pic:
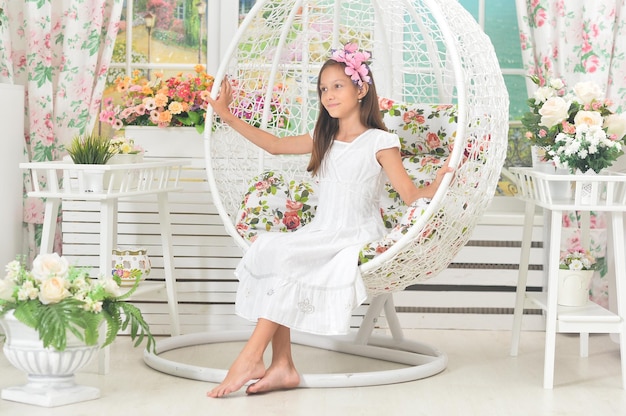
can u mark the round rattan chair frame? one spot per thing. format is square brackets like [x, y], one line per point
[424, 51]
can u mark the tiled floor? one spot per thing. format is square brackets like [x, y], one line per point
[481, 379]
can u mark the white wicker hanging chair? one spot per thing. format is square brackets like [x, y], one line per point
[423, 52]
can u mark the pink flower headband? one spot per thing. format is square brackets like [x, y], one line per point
[355, 60]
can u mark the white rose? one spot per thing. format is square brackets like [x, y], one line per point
[13, 269]
[110, 286]
[576, 265]
[615, 124]
[543, 93]
[53, 290]
[28, 291]
[591, 118]
[553, 111]
[7, 286]
[557, 84]
[588, 91]
[49, 265]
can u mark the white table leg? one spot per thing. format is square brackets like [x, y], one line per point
[49, 225]
[585, 241]
[522, 278]
[108, 235]
[551, 312]
[617, 223]
[168, 264]
[584, 344]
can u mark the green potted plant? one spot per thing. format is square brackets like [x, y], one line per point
[90, 150]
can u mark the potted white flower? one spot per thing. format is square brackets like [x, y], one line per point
[576, 130]
[54, 318]
[576, 268]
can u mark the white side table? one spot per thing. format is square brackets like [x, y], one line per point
[67, 181]
[598, 193]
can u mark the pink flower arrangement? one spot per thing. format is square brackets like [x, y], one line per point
[176, 101]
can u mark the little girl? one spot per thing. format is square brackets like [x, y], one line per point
[309, 280]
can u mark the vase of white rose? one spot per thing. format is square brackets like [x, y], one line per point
[574, 129]
[54, 318]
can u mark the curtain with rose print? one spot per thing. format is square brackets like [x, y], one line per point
[60, 52]
[578, 40]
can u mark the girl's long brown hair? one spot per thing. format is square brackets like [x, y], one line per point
[326, 126]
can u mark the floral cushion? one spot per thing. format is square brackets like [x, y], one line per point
[272, 204]
[409, 216]
[426, 133]
[424, 129]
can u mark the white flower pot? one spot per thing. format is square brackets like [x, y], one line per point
[574, 287]
[50, 372]
[90, 181]
[539, 164]
[119, 175]
[588, 193]
[558, 189]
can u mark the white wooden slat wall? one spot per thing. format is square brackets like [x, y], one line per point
[475, 292]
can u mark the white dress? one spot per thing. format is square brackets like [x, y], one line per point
[309, 280]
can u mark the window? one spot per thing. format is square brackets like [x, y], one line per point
[498, 18]
[180, 11]
[168, 36]
[245, 6]
[176, 42]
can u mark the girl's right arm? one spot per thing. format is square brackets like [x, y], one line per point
[273, 144]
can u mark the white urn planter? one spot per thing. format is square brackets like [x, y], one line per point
[50, 372]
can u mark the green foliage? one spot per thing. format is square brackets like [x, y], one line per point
[87, 305]
[90, 150]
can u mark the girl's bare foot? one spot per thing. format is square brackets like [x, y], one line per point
[239, 374]
[277, 377]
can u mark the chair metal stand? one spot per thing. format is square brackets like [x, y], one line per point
[421, 360]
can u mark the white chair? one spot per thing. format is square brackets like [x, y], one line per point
[425, 53]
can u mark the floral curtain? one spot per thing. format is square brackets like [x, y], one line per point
[60, 51]
[578, 40]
